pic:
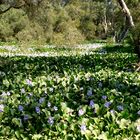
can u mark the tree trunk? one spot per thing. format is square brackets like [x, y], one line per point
[128, 21]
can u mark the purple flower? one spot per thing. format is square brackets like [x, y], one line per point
[20, 108]
[100, 84]
[51, 120]
[81, 112]
[29, 82]
[89, 92]
[138, 112]
[120, 107]
[107, 104]
[49, 104]
[22, 90]
[26, 117]
[37, 109]
[1, 107]
[104, 97]
[55, 108]
[91, 103]
[41, 100]
[83, 127]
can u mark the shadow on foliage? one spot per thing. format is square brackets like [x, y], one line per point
[119, 49]
[87, 63]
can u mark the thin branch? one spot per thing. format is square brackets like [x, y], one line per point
[4, 11]
[126, 12]
[16, 7]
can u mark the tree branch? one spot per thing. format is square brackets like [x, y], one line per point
[127, 13]
[16, 7]
[4, 11]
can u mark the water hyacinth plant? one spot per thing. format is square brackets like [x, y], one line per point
[91, 103]
[37, 109]
[138, 112]
[81, 112]
[107, 104]
[50, 120]
[54, 98]
[20, 108]
[83, 127]
[120, 107]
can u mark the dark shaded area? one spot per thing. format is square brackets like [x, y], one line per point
[117, 58]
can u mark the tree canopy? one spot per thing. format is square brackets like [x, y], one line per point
[67, 21]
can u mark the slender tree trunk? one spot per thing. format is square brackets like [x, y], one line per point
[128, 21]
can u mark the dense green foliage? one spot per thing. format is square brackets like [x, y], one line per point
[65, 21]
[68, 92]
[94, 96]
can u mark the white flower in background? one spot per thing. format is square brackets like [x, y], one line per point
[81, 112]
[81, 88]
[22, 90]
[51, 89]
[8, 93]
[3, 94]
[138, 128]
[49, 104]
[137, 125]
[55, 108]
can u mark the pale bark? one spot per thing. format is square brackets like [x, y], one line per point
[126, 12]
[129, 23]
